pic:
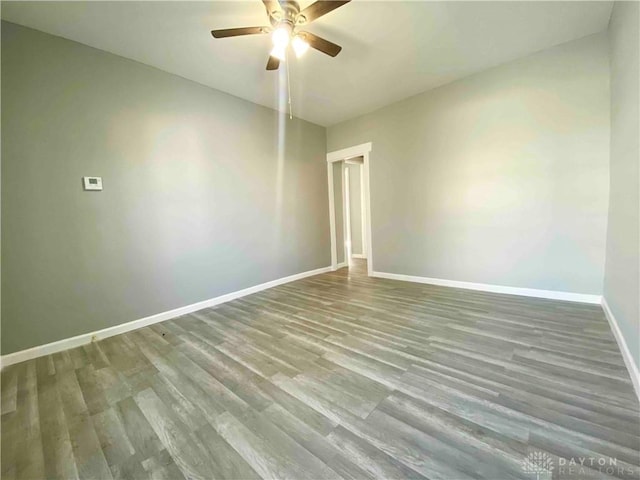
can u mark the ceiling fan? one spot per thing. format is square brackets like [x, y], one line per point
[286, 17]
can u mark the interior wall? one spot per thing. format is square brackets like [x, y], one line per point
[622, 274]
[355, 208]
[199, 200]
[499, 178]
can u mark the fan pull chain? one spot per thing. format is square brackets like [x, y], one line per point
[288, 85]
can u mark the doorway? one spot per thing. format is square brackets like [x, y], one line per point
[349, 209]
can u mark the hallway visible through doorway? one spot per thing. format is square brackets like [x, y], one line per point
[355, 236]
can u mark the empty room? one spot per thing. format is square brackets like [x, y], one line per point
[271, 239]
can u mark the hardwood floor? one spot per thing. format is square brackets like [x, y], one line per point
[334, 376]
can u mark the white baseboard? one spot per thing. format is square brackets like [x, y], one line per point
[339, 266]
[85, 338]
[525, 292]
[634, 372]
[358, 255]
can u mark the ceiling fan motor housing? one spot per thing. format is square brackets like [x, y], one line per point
[287, 15]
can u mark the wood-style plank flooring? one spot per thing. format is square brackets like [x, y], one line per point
[334, 376]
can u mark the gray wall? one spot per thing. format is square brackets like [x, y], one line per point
[355, 208]
[621, 281]
[499, 178]
[198, 200]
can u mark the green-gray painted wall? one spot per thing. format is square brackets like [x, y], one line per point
[199, 198]
[622, 274]
[499, 178]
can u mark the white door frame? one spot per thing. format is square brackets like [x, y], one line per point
[363, 151]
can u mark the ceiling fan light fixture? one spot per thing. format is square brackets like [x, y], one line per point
[279, 52]
[300, 45]
[281, 36]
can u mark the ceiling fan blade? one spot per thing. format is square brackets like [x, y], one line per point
[318, 9]
[273, 63]
[271, 6]
[236, 32]
[319, 43]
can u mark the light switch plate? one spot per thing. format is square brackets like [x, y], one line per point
[92, 183]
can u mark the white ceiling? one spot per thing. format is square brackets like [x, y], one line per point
[391, 50]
